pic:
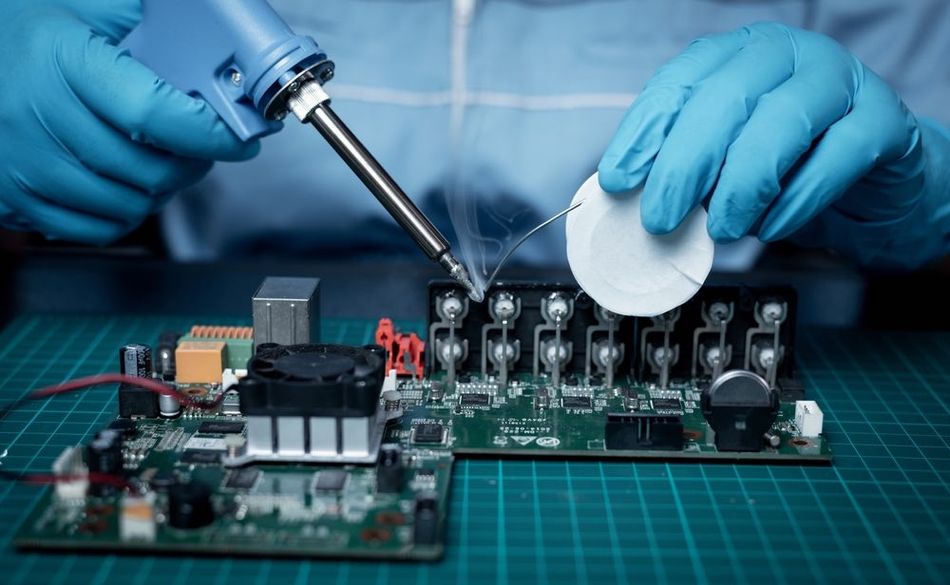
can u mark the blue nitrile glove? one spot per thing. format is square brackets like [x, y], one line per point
[91, 141]
[776, 124]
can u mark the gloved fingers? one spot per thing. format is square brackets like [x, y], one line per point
[896, 182]
[626, 162]
[132, 98]
[117, 156]
[62, 181]
[871, 133]
[692, 155]
[36, 212]
[111, 18]
[782, 128]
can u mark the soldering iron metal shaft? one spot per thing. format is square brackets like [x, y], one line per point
[388, 192]
[377, 180]
[311, 104]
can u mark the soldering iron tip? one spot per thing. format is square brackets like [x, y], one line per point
[460, 275]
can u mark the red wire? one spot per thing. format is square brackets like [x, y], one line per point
[97, 478]
[144, 383]
[99, 380]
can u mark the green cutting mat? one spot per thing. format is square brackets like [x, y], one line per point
[881, 513]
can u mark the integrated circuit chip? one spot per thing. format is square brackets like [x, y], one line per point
[667, 404]
[330, 480]
[475, 400]
[201, 456]
[427, 433]
[425, 475]
[221, 427]
[243, 479]
[576, 402]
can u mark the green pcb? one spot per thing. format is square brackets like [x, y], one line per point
[530, 418]
[333, 511]
[878, 515]
[285, 510]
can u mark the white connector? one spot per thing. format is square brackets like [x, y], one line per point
[391, 382]
[808, 418]
[137, 518]
[72, 475]
[231, 377]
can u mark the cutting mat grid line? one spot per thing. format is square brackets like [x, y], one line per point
[880, 514]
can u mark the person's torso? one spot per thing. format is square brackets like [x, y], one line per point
[507, 102]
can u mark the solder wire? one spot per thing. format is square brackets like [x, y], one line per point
[48, 478]
[525, 237]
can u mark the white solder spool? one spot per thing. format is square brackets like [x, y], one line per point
[626, 269]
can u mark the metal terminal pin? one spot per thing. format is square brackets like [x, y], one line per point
[667, 353]
[557, 309]
[503, 307]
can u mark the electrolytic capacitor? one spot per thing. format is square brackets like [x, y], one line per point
[168, 406]
[165, 354]
[135, 359]
[104, 457]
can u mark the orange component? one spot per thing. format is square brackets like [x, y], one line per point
[404, 351]
[199, 362]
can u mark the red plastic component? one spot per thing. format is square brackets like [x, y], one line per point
[404, 351]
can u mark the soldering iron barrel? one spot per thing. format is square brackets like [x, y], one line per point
[377, 180]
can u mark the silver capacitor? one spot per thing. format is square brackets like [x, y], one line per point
[168, 406]
[165, 355]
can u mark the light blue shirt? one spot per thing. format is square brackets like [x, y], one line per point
[505, 103]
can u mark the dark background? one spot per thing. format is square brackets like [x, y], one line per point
[135, 276]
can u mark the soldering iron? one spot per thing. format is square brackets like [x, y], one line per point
[245, 61]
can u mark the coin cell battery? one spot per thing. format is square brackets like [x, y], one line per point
[626, 269]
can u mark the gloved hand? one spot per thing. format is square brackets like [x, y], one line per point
[776, 124]
[91, 141]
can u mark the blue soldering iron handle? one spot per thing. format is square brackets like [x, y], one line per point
[238, 55]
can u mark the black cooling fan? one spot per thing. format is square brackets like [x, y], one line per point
[313, 380]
